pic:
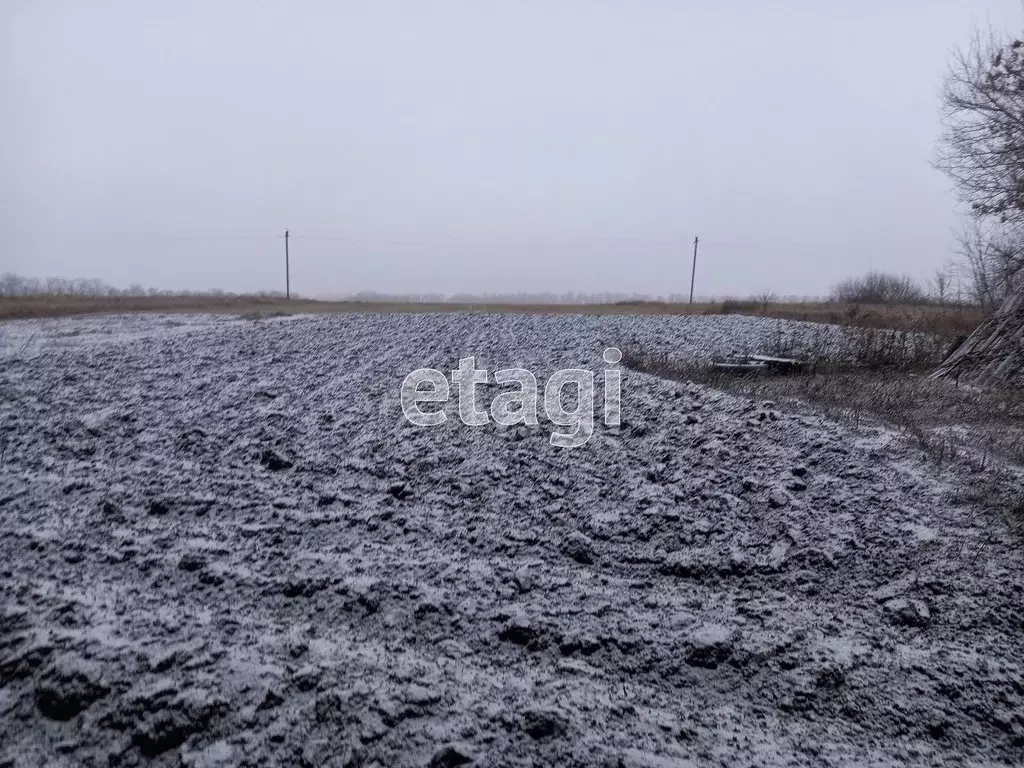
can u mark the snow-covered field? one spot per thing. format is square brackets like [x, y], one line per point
[222, 544]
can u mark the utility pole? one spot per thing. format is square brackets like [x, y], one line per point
[693, 272]
[288, 271]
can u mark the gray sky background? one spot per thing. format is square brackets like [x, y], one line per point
[460, 145]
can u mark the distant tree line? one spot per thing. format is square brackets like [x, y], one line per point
[17, 285]
[872, 288]
[517, 297]
[523, 297]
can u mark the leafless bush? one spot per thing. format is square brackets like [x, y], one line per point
[765, 299]
[758, 303]
[991, 261]
[738, 306]
[941, 285]
[879, 288]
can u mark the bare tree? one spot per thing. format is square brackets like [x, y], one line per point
[10, 284]
[766, 298]
[940, 285]
[991, 261]
[982, 145]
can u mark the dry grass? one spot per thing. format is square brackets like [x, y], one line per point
[13, 307]
[944, 320]
[986, 427]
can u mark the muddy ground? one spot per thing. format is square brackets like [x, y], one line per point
[222, 544]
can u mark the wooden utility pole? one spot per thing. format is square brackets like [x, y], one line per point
[693, 272]
[287, 269]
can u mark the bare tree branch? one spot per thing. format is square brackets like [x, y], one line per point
[982, 145]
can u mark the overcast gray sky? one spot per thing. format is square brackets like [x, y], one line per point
[462, 145]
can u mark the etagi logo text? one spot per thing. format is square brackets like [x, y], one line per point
[519, 404]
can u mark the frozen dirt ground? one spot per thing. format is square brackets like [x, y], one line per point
[221, 544]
